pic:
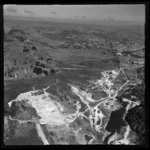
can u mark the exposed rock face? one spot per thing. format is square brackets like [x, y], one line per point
[136, 120]
[22, 110]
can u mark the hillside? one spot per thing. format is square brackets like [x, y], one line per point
[68, 83]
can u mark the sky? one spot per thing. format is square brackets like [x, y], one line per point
[80, 12]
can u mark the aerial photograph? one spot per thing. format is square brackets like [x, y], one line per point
[74, 74]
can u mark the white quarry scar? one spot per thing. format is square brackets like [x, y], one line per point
[98, 115]
[51, 111]
[41, 134]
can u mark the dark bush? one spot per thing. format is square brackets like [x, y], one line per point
[52, 71]
[45, 72]
[49, 59]
[31, 66]
[37, 63]
[37, 70]
[34, 48]
[40, 64]
[26, 50]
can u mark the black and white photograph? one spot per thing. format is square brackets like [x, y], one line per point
[74, 74]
